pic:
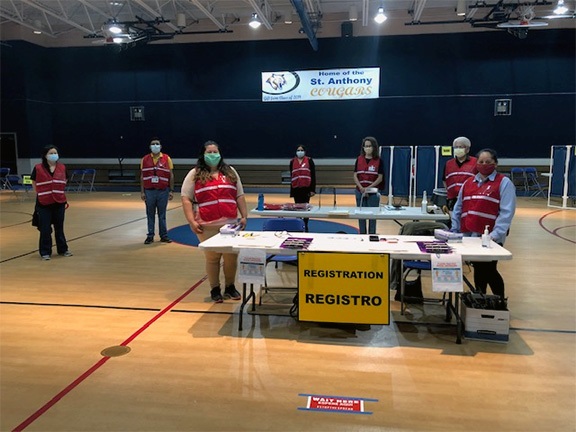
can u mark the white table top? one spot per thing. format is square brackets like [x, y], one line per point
[405, 248]
[325, 212]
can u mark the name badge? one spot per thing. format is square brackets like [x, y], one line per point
[155, 179]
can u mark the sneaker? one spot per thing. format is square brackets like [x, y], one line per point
[165, 240]
[232, 293]
[66, 254]
[216, 295]
[46, 257]
[149, 240]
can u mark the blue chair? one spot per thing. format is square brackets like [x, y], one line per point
[4, 172]
[289, 225]
[518, 177]
[422, 228]
[533, 184]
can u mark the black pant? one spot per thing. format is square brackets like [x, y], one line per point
[486, 273]
[302, 196]
[48, 216]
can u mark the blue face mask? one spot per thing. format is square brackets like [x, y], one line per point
[52, 157]
[212, 159]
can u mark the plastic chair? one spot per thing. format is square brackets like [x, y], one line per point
[4, 172]
[76, 180]
[533, 184]
[423, 228]
[518, 177]
[326, 189]
[290, 225]
[88, 179]
[15, 183]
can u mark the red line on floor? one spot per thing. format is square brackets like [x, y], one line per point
[101, 362]
[554, 233]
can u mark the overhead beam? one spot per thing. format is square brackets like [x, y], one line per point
[59, 17]
[208, 14]
[306, 24]
[24, 24]
[153, 12]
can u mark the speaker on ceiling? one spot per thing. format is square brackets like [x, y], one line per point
[347, 29]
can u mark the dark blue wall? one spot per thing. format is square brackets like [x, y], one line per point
[433, 88]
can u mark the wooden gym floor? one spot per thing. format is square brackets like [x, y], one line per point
[189, 369]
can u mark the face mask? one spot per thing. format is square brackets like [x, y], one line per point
[368, 150]
[459, 152]
[300, 154]
[52, 157]
[212, 159]
[485, 169]
[155, 148]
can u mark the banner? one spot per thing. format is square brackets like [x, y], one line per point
[329, 84]
[343, 287]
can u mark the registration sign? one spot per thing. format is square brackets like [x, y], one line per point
[343, 287]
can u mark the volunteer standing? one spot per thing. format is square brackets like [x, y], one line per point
[212, 196]
[49, 180]
[487, 200]
[156, 189]
[303, 178]
[368, 174]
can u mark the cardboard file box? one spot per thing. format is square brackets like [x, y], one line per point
[486, 324]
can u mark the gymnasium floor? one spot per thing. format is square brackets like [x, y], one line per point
[189, 369]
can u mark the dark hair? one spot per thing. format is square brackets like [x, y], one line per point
[203, 171]
[303, 147]
[492, 153]
[374, 142]
[45, 153]
[155, 138]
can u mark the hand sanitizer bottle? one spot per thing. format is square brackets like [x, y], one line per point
[424, 203]
[486, 237]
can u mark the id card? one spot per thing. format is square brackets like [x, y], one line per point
[155, 179]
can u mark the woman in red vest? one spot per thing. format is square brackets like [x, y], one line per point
[486, 200]
[368, 174]
[212, 196]
[303, 178]
[49, 182]
[458, 169]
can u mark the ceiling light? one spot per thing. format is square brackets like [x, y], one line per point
[254, 22]
[380, 16]
[288, 17]
[37, 32]
[461, 8]
[117, 40]
[114, 28]
[353, 13]
[560, 8]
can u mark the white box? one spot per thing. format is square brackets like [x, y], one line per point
[485, 324]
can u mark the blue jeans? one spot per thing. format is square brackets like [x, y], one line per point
[370, 200]
[157, 202]
[48, 216]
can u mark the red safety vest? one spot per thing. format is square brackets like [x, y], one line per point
[216, 199]
[480, 204]
[301, 175]
[367, 171]
[455, 175]
[160, 171]
[50, 187]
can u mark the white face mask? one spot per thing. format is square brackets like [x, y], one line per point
[155, 148]
[459, 152]
[300, 153]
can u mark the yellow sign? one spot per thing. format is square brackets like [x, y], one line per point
[26, 180]
[446, 150]
[343, 287]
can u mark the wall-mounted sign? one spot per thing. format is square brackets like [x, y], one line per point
[329, 84]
